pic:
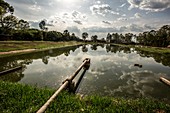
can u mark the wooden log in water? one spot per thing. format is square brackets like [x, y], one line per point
[10, 70]
[164, 80]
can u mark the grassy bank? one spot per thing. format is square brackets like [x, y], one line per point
[159, 50]
[6, 46]
[17, 98]
[150, 49]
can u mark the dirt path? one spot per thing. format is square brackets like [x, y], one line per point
[17, 51]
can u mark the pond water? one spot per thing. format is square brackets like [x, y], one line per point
[112, 71]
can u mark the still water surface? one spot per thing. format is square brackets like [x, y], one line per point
[112, 71]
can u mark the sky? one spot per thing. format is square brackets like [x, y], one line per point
[97, 17]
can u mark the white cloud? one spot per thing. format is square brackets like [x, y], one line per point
[150, 5]
[122, 19]
[35, 7]
[74, 29]
[68, 17]
[134, 28]
[98, 2]
[102, 9]
[124, 15]
[138, 15]
[79, 15]
[123, 5]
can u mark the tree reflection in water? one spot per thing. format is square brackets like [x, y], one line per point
[27, 59]
[84, 48]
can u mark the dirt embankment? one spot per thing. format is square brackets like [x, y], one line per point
[17, 51]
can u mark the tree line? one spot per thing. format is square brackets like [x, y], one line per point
[12, 28]
[159, 38]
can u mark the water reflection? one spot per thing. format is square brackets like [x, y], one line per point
[112, 71]
[84, 48]
[26, 60]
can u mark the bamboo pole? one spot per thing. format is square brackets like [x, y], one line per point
[87, 60]
[10, 70]
[64, 85]
[44, 107]
[167, 82]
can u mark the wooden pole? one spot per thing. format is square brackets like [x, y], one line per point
[167, 82]
[10, 70]
[87, 60]
[64, 85]
[44, 107]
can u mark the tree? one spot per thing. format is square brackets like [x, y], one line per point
[94, 38]
[109, 38]
[128, 37]
[73, 36]
[42, 25]
[85, 35]
[22, 25]
[66, 35]
[7, 20]
[5, 8]
[115, 38]
[122, 38]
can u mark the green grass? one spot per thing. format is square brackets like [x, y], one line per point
[159, 50]
[17, 98]
[6, 46]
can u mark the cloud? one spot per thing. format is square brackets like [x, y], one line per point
[78, 22]
[74, 29]
[122, 19]
[149, 5]
[135, 28]
[79, 15]
[123, 5]
[99, 29]
[35, 7]
[68, 17]
[123, 15]
[138, 15]
[106, 22]
[98, 2]
[148, 27]
[34, 24]
[102, 9]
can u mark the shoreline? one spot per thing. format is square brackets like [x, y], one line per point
[25, 51]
